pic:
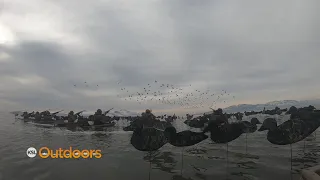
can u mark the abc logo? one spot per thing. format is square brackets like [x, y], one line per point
[31, 152]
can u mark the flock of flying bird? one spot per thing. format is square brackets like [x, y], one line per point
[169, 94]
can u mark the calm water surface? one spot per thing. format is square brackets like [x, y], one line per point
[120, 161]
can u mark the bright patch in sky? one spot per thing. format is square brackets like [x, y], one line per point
[6, 36]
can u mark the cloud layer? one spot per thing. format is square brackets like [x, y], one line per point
[256, 51]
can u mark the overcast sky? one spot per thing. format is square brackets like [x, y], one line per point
[258, 51]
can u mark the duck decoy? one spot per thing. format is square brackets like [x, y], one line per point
[289, 132]
[184, 138]
[194, 123]
[224, 132]
[250, 127]
[148, 139]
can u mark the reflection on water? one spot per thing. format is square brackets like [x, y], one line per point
[179, 177]
[196, 151]
[163, 161]
[204, 161]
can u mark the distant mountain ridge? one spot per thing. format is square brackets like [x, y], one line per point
[271, 105]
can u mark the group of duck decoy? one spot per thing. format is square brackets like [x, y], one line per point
[74, 121]
[150, 133]
[146, 137]
[71, 121]
[302, 123]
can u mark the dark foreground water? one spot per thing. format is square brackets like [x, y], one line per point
[120, 161]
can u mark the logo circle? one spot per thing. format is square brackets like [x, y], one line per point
[31, 152]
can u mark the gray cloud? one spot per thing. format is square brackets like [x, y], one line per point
[257, 51]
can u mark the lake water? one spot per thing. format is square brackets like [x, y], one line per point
[120, 161]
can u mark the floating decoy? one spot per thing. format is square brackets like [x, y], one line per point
[250, 127]
[184, 138]
[148, 139]
[194, 123]
[224, 132]
[289, 132]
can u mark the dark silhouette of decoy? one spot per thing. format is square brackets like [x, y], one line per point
[183, 139]
[194, 123]
[250, 127]
[289, 132]
[148, 139]
[224, 132]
